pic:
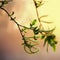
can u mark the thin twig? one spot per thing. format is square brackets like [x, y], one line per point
[37, 14]
[13, 20]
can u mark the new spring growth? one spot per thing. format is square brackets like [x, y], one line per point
[30, 43]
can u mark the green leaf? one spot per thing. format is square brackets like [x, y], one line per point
[43, 36]
[36, 30]
[54, 47]
[24, 29]
[51, 41]
[33, 22]
[35, 37]
[51, 37]
[52, 44]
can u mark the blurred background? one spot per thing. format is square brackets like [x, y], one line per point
[10, 39]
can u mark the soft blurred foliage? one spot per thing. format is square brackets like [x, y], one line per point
[11, 37]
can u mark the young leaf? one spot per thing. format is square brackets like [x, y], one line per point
[38, 3]
[33, 22]
[43, 36]
[43, 16]
[36, 30]
[48, 30]
[54, 47]
[46, 22]
[35, 37]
